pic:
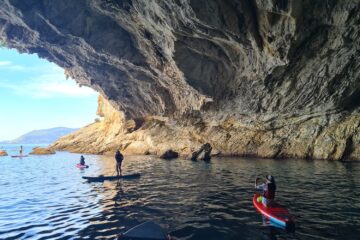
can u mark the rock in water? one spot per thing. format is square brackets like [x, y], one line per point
[204, 153]
[169, 154]
[253, 78]
[3, 153]
[41, 151]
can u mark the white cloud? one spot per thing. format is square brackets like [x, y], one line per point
[48, 84]
[5, 63]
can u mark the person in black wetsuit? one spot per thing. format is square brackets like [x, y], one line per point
[82, 160]
[119, 158]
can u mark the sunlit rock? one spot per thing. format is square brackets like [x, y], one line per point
[3, 153]
[41, 151]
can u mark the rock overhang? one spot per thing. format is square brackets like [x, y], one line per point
[167, 57]
[287, 72]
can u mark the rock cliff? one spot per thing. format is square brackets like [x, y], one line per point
[331, 136]
[275, 78]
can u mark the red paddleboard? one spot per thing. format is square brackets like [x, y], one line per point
[81, 166]
[19, 156]
[277, 214]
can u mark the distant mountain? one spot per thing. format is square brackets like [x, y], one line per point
[42, 136]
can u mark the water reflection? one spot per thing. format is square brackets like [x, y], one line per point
[45, 197]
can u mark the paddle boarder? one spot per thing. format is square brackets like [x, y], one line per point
[82, 160]
[119, 158]
[21, 150]
[268, 188]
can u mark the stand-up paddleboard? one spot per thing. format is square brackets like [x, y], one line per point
[276, 214]
[111, 178]
[145, 231]
[19, 156]
[81, 166]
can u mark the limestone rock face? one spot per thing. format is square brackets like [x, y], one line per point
[3, 153]
[41, 151]
[334, 136]
[262, 78]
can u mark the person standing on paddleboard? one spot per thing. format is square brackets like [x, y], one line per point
[21, 150]
[119, 158]
[269, 189]
[82, 160]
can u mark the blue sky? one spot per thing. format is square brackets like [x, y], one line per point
[34, 94]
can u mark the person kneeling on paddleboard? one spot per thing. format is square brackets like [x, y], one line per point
[119, 158]
[82, 160]
[269, 189]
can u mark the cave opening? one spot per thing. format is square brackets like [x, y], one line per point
[36, 95]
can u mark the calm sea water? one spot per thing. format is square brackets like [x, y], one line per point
[44, 197]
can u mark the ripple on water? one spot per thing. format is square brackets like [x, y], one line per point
[45, 198]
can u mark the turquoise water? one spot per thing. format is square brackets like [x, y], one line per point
[44, 197]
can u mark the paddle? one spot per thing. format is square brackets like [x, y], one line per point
[257, 179]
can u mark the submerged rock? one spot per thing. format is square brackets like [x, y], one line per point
[3, 153]
[252, 78]
[41, 151]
